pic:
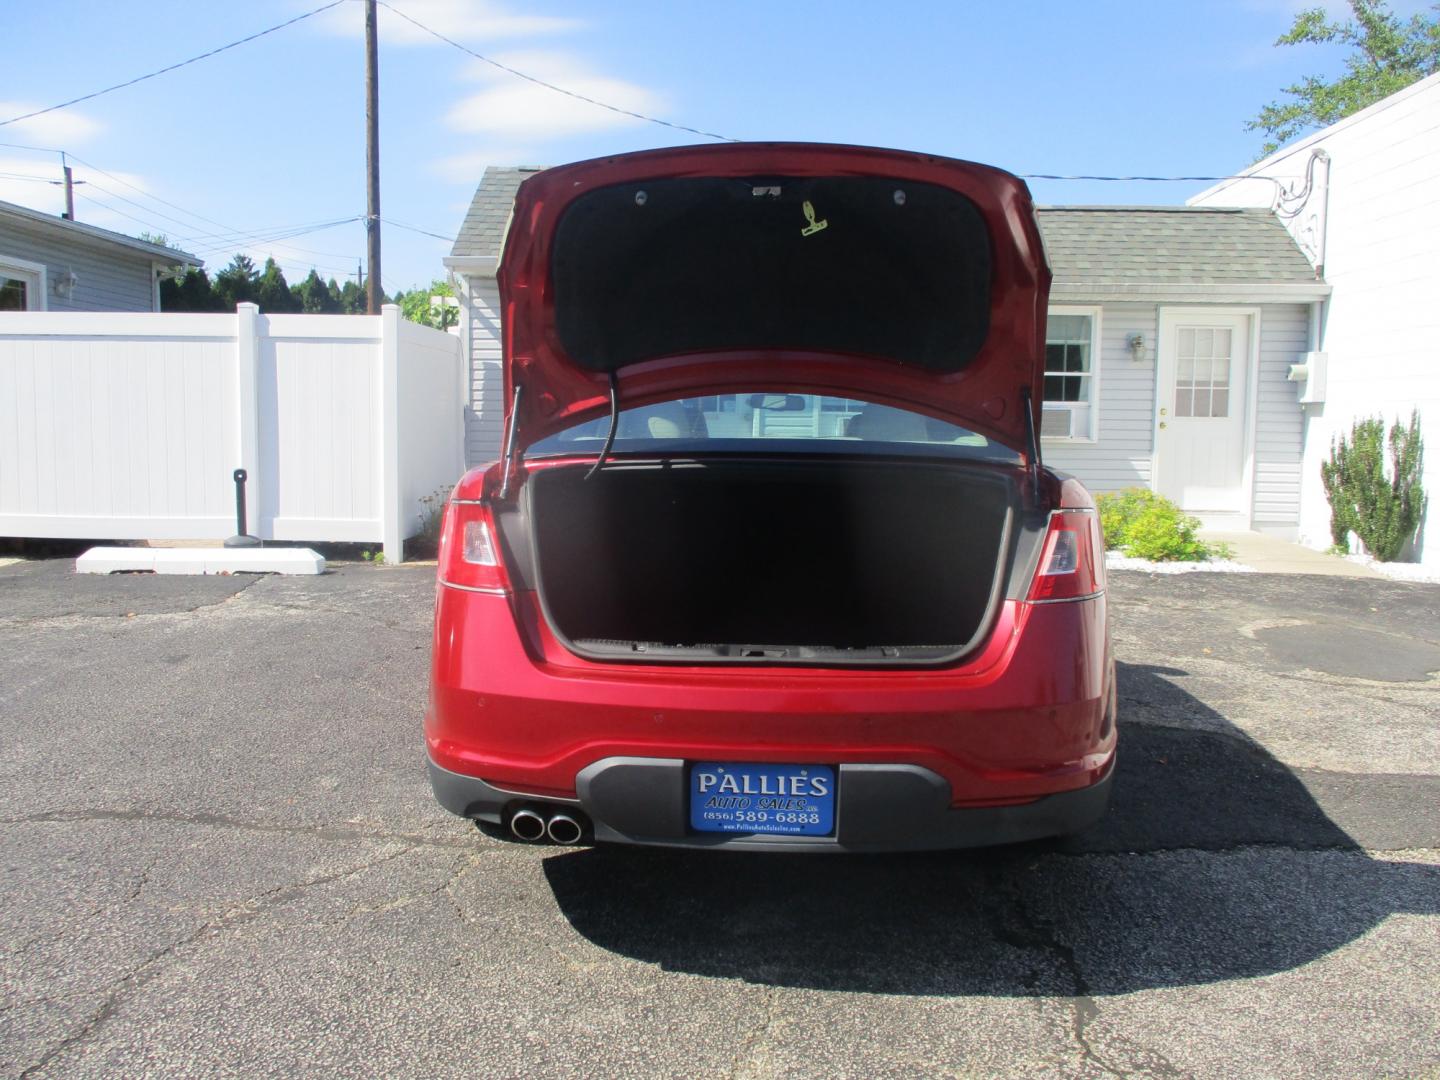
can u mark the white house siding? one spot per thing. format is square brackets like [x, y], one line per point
[1284, 337]
[109, 278]
[1382, 324]
[485, 404]
[1120, 456]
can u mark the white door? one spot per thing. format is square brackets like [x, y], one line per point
[1200, 429]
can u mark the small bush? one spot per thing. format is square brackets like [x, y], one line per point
[1145, 525]
[1383, 511]
[1120, 509]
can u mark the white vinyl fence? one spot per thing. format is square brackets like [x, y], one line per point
[130, 426]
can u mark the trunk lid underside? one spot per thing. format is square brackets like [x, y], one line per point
[901, 278]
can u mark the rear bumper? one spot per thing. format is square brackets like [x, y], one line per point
[879, 808]
[1031, 715]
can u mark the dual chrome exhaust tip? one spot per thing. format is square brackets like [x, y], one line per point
[534, 825]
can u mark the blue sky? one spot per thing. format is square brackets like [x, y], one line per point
[269, 137]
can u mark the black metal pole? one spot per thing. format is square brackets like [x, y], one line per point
[241, 538]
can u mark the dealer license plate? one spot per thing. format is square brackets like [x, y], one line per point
[794, 800]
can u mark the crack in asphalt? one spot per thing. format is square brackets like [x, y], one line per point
[220, 821]
[1013, 922]
[73, 618]
[133, 980]
[746, 1055]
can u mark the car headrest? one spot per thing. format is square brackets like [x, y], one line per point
[881, 423]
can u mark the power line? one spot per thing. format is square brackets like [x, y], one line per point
[172, 67]
[551, 86]
[274, 236]
[230, 229]
[220, 242]
[417, 229]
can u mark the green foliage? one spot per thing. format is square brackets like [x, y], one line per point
[314, 296]
[193, 292]
[240, 282]
[372, 556]
[416, 305]
[237, 283]
[1386, 55]
[1144, 525]
[1119, 509]
[1383, 511]
[273, 293]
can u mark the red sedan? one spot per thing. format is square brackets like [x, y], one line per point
[770, 560]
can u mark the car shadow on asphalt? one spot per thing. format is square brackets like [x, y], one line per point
[1139, 901]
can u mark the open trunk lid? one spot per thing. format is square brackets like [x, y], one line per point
[901, 278]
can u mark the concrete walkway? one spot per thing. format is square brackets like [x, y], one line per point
[1271, 555]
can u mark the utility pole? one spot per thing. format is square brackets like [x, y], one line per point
[373, 291]
[69, 189]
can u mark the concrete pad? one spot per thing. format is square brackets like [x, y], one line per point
[1272, 555]
[111, 560]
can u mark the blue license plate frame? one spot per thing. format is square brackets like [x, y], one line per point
[762, 799]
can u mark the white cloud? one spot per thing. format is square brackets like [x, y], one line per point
[463, 20]
[62, 129]
[514, 108]
[468, 167]
[36, 182]
[27, 182]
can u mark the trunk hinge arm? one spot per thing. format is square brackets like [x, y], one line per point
[1032, 440]
[507, 457]
[614, 426]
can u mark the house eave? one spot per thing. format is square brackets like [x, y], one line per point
[472, 265]
[1190, 292]
[97, 236]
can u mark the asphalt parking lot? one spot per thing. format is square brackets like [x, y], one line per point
[220, 857]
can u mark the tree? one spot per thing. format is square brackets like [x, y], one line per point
[236, 284]
[313, 296]
[189, 293]
[417, 307]
[272, 292]
[349, 298]
[1386, 55]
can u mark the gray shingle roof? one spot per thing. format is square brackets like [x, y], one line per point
[1170, 245]
[483, 230]
[1086, 244]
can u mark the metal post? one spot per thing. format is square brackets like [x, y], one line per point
[241, 537]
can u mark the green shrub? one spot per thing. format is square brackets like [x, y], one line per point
[1382, 511]
[1119, 509]
[1145, 525]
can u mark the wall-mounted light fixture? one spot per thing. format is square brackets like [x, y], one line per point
[64, 284]
[1136, 344]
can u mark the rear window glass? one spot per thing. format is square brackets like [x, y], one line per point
[806, 422]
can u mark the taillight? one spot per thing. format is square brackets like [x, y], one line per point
[469, 552]
[1072, 561]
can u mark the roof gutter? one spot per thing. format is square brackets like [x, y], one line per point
[81, 231]
[1190, 292]
[473, 265]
